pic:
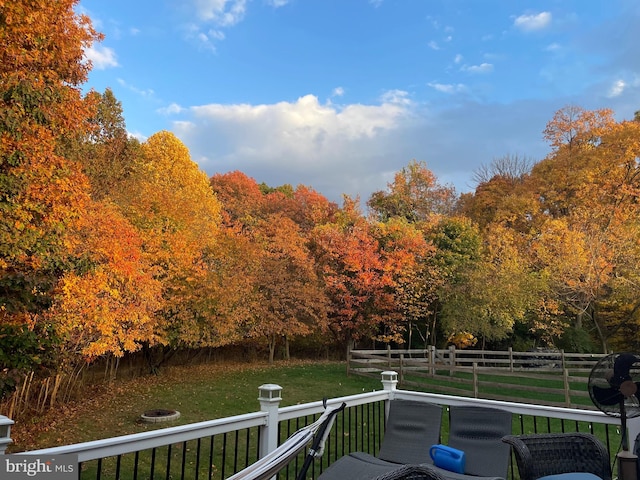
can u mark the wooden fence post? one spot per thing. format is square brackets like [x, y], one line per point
[475, 380]
[567, 393]
[452, 359]
[401, 378]
[349, 361]
[388, 356]
[431, 359]
[511, 359]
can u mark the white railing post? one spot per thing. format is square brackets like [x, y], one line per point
[269, 397]
[5, 433]
[389, 383]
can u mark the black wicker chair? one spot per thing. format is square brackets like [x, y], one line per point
[539, 455]
[411, 472]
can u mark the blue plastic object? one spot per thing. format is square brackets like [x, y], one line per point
[448, 458]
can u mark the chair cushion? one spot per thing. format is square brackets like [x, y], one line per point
[571, 476]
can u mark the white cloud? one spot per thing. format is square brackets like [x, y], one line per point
[204, 40]
[533, 22]
[553, 47]
[458, 58]
[447, 87]
[617, 88]
[482, 68]
[337, 92]
[277, 3]
[224, 13]
[376, 3]
[289, 142]
[171, 109]
[397, 97]
[101, 57]
[354, 149]
[433, 45]
[212, 16]
[142, 92]
[137, 135]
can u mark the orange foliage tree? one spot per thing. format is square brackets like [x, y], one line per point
[357, 284]
[108, 303]
[290, 300]
[41, 66]
[42, 194]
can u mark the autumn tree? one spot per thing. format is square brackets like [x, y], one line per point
[414, 194]
[41, 192]
[169, 199]
[107, 304]
[502, 194]
[595, 211]
[357, 285]
[287, 299]
[408, 258]
[41, 66]
[241, 197]
[306, 207]
[290, 299]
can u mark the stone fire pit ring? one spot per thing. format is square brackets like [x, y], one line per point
[157, 415]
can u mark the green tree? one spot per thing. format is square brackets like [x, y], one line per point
[106, 152]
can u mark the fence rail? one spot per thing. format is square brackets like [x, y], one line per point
[554, 378]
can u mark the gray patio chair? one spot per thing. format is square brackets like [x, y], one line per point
[478, 432]
[543, 454]
[411, 428]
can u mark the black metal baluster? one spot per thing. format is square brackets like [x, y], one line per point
[198, 445]
[246, 449]
[211, 445]
[224, 454]
[168, 477]
[118, 463]
[136, 460]
[153, 463]
[235, 452]
[184, 460]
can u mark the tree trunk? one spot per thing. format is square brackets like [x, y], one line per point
[287, 352]
[272, 348]
[603, 340]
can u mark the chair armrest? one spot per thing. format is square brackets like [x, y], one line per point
[544, 454]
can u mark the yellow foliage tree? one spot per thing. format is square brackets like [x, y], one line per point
[169, 199]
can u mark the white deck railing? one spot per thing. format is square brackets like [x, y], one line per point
[268, 418]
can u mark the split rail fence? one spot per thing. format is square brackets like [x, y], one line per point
[554, 378]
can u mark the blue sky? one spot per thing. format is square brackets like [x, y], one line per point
[340, 94]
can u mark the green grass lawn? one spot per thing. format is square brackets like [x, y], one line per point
[199, 392]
